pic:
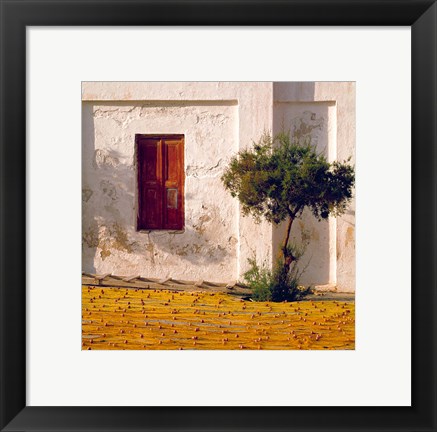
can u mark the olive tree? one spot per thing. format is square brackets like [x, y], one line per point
[279, 177]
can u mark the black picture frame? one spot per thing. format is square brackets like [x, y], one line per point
[421, 15]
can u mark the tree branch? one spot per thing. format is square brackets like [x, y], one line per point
[287, 237]
[294, 212]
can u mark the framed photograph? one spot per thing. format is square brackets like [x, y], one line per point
[148, 146]
[166, 260]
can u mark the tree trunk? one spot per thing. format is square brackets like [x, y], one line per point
[287, 256]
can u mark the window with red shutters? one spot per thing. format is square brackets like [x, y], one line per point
[160, 164]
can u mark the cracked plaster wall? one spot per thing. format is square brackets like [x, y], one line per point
[325, 111]
[218, 119]
[315, 121]
[207, 249]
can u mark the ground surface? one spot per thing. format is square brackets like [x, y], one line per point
[137, 319]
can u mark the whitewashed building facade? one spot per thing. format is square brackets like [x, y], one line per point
[202, 125]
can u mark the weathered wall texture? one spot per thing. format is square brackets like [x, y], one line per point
[215, 241]
[208, 245]
[217, 120]
[325, 112]
[313, 121]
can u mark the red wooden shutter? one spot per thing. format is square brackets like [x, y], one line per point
[173, 156]
[160, 182]
[150, 183]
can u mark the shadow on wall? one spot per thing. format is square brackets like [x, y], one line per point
[295, 111]
[314, 237]
[105, 193]
[90, 229]
[104, 227]
[106, 234]
[110, 241]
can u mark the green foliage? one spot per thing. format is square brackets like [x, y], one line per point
[274, 285]
[279, 177]
[259, 280]
[276, 180]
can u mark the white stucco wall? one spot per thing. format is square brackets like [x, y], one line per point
[325, 111]
[315, 121]
[217, 120]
